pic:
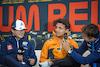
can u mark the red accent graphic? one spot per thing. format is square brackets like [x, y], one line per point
[9, 47]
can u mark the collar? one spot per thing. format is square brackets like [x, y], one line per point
[98, 38]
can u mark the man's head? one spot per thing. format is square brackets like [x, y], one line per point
[18, 29]
[90, 32]
[62, 26]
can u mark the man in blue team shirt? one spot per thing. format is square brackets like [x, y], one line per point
[16, 50]
[91, 42]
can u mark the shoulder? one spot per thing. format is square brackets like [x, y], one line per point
[50, 40]
[3, 43]
[24, 40]
[6, 40]
[74, 43]
[71, 40]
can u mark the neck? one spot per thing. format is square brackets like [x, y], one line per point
[17, 38]
[60, 37]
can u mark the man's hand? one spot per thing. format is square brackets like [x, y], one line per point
[32, 61]
[66, 45]
[19, 57]
[52, 62]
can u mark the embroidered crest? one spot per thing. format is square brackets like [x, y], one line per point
[98, 50]
[9, 47]
[21, 24]
[24, 43]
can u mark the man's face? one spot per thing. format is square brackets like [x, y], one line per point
[18, 34]
[86, 38]
[60, 29]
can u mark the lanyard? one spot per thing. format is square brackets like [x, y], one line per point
[60, 44]
[17, 42]
[94, 64]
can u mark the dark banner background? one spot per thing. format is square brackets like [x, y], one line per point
[39, 15]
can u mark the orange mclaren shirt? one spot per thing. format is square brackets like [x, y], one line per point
[51, 49]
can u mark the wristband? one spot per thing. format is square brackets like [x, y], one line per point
[70, 51]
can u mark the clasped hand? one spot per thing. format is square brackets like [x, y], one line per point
[20, 58]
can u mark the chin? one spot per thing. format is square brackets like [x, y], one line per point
[57, 35]
[21, 36]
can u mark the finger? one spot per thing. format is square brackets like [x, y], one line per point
[29, 59]
[63, 41]
[67, 41]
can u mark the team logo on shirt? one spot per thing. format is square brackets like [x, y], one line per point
[24, 43]
[98, 50]
[9, 47]
[89, 45]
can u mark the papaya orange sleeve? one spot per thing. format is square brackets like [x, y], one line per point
[44, 52]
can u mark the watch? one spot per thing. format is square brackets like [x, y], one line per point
[70, 51]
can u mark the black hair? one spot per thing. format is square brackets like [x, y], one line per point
[13, 28]
[13, 25]
[63, 21]
[91, 30]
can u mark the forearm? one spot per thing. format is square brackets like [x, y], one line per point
[84, 60]
[35, 61]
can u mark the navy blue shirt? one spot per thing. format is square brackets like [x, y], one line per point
[10, 47]
[91, 58]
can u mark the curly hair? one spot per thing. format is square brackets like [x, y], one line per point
[63, 21]
[91, 30]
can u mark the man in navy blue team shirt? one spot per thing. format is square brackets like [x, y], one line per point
[16, 50]
[91, 42]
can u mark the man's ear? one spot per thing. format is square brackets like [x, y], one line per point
[67, 30]
[12, 30]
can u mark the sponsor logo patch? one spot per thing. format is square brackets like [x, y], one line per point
[9, 47]
[98, 50]
[24, 43]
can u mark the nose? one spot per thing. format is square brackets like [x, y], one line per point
[57, 29]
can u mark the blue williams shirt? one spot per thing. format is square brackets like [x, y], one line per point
[91, 58]
[10, 47]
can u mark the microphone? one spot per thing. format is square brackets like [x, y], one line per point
[65, 36]
[21, 52]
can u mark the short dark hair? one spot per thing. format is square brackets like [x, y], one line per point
[13, 25]
[91, 30]
[63, 21]
[13, 28]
